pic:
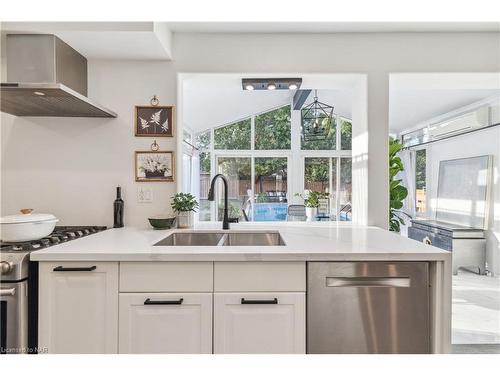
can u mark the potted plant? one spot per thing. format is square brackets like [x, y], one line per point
[398, 192]
[311, 201]
[184, 205]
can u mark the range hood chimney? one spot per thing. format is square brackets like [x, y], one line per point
[46, 77]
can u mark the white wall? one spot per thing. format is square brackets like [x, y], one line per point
[70, 166]
[483, 142]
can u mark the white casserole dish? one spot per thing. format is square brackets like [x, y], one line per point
[26, 226]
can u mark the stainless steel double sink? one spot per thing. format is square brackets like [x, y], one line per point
[245, 238]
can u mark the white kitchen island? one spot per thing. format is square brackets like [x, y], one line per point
[125, 295]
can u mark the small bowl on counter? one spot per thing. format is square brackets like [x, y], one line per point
[162, 222]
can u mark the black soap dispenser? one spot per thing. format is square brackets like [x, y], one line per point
[118, 209]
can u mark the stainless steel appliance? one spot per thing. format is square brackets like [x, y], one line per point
[468, 245]
[14, 302]
[46, 77]
[19, 288]
[367, 307]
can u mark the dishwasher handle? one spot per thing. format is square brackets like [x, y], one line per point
[368, 282]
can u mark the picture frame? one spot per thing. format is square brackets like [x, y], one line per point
[154, 166]
[154, 121]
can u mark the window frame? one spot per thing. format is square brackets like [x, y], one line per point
[427, 171]
[295, 157]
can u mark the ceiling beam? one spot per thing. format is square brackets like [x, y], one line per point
[299, 98]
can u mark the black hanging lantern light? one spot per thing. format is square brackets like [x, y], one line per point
[317, 119]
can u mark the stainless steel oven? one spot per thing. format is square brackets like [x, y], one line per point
[19, 288]
[14, 317]
[14, 302]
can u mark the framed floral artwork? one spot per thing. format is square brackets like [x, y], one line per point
[154, 121]
[154, 166]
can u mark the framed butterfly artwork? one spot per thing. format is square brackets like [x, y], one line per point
[154, 121]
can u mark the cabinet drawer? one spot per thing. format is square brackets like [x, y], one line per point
[259, 276]
[259, 323]
[165, 323]
[166, 276]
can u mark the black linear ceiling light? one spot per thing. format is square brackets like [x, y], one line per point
[251, 84]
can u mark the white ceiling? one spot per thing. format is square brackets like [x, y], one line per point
[409, 108]
[417, 97]
[152, 40]
[105, 40]
[331, 27]
[211, 100]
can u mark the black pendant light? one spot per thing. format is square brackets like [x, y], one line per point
[317, 119]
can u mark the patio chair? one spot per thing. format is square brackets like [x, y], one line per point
[346, 212]
[296, 212]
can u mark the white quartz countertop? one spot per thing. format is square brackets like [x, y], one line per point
[304, 242]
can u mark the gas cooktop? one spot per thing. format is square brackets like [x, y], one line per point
[59, 235]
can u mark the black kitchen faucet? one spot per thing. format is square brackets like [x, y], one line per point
[226, 220]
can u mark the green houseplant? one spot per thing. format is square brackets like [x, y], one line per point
[397, 192]
[184, 205]
[311, 201]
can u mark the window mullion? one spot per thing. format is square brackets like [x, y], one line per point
[330, 182]
[213, 166]
[337, 180]
[252, 133]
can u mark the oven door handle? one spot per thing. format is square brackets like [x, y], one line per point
[7, 292]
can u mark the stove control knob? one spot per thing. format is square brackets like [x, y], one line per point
[6, 267]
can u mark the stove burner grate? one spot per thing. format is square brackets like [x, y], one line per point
[59, 235]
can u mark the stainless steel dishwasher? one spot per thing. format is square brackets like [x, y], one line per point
[368, 307]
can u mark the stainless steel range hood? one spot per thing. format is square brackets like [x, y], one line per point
[46, 77]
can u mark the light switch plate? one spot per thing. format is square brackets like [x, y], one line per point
[144, 195]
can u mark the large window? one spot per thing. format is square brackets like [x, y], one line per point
[202, 142]
[322, 175]
[345, 134]
[270, 189]
[273, 130]
[262, 164]
[235, 136]
[420, 181]
[238, 174]
[345, 191]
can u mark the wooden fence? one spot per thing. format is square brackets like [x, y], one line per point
[238, 188]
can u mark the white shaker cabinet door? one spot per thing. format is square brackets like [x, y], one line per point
[165, 323]
[262, 323]
[78, 303]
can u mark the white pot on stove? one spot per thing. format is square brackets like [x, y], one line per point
[26, 226]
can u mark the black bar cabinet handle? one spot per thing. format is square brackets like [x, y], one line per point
[74, 269]
[273, 301]
[174, 302]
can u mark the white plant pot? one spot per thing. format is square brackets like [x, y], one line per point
[311, 213]
[185, 219]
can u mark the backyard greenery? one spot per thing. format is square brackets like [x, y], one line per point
[273, 130]
[420, 156]
[317, 170]
[236, 136]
